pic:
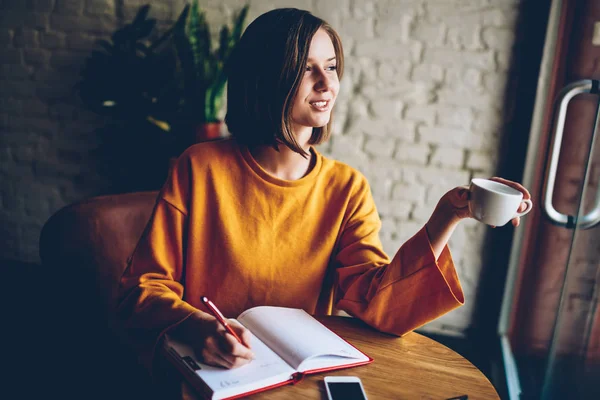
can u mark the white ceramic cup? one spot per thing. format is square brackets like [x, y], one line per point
[495, 203]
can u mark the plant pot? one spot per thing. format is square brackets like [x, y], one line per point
[208, 131]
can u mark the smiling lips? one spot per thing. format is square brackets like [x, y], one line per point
[320, 105]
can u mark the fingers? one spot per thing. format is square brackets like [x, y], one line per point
[242, 332]
[522, 207]
[234, 359]
[236, 349]
[223, 360]
[459, 199]
[459, 196]
[515, 185]
[212, 354]
[463, 192]
[223, 350]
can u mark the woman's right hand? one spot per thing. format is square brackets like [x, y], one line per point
[212, 344]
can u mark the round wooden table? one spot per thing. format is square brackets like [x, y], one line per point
[410, 367]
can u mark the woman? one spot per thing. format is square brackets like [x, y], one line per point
[264, 219]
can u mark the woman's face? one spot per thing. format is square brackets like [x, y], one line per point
[319, 86]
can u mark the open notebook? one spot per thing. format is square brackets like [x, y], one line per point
[286, 342]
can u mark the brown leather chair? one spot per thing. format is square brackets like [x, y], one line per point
[84, 248]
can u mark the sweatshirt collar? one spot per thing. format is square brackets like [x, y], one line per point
[264, 175]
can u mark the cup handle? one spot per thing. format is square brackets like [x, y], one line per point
[529, 207]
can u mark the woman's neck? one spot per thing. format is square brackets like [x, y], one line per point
[283, 164]
[287, 164]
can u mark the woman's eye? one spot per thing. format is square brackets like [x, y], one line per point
[329, 68]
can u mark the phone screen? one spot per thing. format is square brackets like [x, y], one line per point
[345, 391]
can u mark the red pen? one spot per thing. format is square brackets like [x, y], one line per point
[215, 311]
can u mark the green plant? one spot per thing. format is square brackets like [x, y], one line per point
[131, 77]
[204, 75]
[175, 82]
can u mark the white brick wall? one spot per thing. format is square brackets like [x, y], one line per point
[419, 111]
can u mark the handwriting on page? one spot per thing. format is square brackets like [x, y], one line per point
[226, 384]
[264, 365]
[267, 364]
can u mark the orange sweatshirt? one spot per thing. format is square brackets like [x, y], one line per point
[224, 228]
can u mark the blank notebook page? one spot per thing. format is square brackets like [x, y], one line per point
[296, 336]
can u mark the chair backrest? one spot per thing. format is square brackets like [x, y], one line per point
[88, 243]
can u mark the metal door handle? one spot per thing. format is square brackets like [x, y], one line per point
[592, 218]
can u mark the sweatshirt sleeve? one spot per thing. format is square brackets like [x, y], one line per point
[150, 290]
[394, 296]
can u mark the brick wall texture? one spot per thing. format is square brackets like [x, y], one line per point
[420, 109]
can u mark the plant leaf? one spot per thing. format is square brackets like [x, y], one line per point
[106, 45]
[205, 40]
[141, 14]
[145, 28]
[185, 54]
[223, 42]
[143, 48]
[180, 23]
[120, 36]
[193, 34]
[239, 23]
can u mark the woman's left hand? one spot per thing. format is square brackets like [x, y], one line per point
[456, 201]
[454, 207]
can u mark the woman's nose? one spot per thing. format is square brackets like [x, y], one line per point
[323, 82]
